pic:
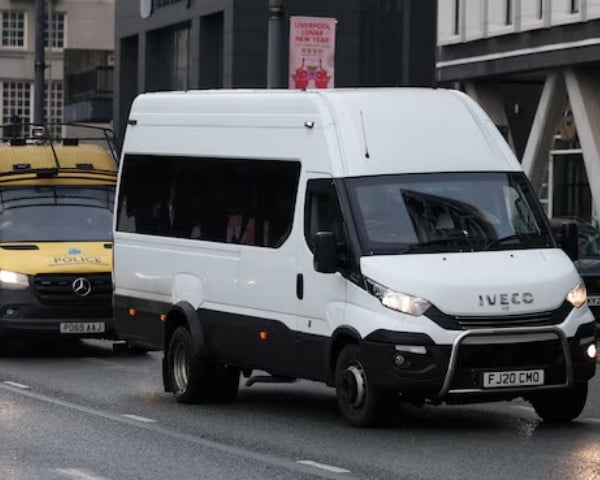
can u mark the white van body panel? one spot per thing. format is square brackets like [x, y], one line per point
[454, 282]
[394, 138]
[345, 118]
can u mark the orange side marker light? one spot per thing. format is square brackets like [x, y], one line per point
[163, 317]
[132, 312]
[263, 335]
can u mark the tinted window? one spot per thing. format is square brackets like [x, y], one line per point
[247, 202]
[322, 211]
[447, 212]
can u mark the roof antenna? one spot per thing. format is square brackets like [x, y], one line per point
[362, 122]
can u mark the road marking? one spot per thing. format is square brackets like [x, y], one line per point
[323, 466]
[138, 418]
[17, 385]
[79, 474]
[157, 428]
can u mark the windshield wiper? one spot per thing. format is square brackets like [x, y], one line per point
[522, 238]
[431, 243]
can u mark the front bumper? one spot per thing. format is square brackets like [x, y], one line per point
[28, 312]
[454, 373]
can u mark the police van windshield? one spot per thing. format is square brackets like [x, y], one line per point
[447, 212]
[56, 213]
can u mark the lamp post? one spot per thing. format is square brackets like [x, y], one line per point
[275, 44]
[40, 65]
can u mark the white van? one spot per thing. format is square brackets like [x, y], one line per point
[383, 241]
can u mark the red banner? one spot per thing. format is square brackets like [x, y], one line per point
[312, 51]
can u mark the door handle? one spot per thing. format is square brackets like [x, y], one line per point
[300, 286]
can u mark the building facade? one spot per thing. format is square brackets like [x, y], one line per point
[195, 44]
[78, 25]
[534, 66]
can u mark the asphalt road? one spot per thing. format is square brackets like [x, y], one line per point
[79, 411]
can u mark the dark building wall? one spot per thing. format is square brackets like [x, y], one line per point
[378, 43]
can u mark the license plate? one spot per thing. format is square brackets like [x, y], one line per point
[593, 301]
[82, 327]
[514, 378]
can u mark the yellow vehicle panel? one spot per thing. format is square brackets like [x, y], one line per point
[101, 168]
[56, 257]
[42, 156]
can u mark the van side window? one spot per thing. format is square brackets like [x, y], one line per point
[322, 212]
[249, 202]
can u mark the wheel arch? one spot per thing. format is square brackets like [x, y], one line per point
[341, 337]
[183, 314]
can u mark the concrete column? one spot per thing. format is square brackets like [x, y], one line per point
[142, 62]
[537, 151]
[582, 87]
[489, 98]
[194, 54]
[228, 50]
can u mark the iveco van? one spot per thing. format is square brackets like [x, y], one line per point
[383, 241]
[56, 209]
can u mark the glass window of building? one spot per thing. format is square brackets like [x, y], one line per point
[565, 190]
[13, 29]
[53, 111]
[54, 36]
[16, 102]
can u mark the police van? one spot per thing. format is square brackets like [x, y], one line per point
[383, 241]
[56, 209]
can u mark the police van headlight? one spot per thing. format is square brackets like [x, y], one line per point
[578, 295]
[401, 302]
[13, 281]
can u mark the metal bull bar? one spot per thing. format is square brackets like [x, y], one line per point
[500, 336]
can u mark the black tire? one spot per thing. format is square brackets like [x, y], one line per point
[197, 380]
[561, 406]
[359, 401]
[188, 376]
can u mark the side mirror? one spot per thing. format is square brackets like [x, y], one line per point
[325, 256]
[567, 238]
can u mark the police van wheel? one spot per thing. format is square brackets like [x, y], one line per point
[561, 406]
[360, 403]
[188, 375]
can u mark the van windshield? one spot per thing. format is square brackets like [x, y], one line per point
[447, 212]
[56, 213]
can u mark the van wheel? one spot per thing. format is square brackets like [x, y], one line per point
[197, 380]
[561, 406]
[360, 403]
[188, 375]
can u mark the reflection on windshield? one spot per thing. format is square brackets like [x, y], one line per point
[54, 214]
[447, 212]
[589, 241]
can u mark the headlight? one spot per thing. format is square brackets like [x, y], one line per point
[13, 281]
[401, 302]
[578, 295]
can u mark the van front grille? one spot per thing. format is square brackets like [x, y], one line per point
[531, 320]
[538, 319]
[74, 289]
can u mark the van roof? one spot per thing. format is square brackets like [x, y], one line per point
[20, 163]
[379, 130]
